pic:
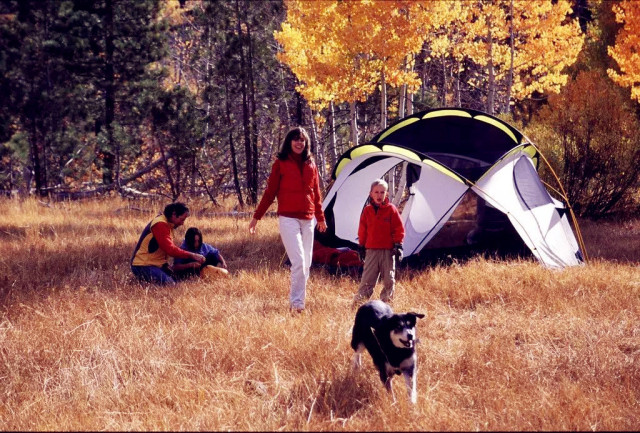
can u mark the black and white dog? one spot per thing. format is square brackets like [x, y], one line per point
[390, 339]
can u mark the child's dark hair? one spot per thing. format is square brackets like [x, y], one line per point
[294, 134]
[178, 208]
[190, 237]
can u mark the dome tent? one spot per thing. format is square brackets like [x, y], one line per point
[444, 155]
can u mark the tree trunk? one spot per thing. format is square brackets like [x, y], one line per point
[491, 85]
[34, 155]
[383, 102]
[253, 190]
[111, 161]
[167, 169]
[333, 154]
[354, 123]
[507, 106]
[443, 98]
[246, 121]
[232, 147]
[397, 195]
[319, 151]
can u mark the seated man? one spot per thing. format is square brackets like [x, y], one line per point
[193, 242]
[150, 259]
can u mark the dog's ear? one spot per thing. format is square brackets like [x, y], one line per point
[417, 315]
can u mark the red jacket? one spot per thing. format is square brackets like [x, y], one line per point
[297, 190]
[380, 227]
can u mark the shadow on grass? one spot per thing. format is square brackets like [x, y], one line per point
[341, 396]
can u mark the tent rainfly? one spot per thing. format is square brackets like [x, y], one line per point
[442, 154]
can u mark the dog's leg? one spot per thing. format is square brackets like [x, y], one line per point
[357, 357]
[389, 386]
[410, 381]
[387, 375]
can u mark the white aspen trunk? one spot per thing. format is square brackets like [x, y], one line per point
[383, 102]
[491, 84]
[507, 107]
[333, 151]
[354, 123]
[397, 195]
[458, 91]
[443, 101]
[319, 151]
[403, 101]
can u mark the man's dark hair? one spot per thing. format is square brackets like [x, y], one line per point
[190, 237]
[177, 208]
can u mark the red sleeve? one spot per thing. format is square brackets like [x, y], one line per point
[162, 232]
[273, 184]
[397, 227]
[362, 228]
[318, 198]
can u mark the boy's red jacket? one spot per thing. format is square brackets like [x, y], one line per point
[297, 190]
[380, 228]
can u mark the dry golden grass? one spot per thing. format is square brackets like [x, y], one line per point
[505, 345]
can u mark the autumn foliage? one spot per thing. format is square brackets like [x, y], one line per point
[590, 134]
[626, 51]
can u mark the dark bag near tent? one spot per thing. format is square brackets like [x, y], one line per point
[337, 260]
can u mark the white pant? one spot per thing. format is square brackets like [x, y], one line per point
[297, 237]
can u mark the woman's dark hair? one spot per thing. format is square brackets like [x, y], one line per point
[294, 134]
[190, 237]
[178, 208]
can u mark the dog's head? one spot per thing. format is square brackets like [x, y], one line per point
[402, 329]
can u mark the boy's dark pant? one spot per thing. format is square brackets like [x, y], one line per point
[377, 262]
[211, 259]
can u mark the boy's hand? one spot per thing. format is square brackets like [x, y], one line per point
[362, 252]
[397, 251]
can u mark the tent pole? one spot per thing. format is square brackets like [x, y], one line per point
[566, 199]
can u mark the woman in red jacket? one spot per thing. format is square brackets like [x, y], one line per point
[294, 181]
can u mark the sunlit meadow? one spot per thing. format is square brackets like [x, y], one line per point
[505, 345]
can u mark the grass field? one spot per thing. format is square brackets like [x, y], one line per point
[506, 345]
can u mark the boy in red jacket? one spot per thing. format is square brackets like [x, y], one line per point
[380, 236]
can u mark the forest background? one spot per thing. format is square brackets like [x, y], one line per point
[183, 99]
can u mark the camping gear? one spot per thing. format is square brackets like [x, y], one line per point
[211, 273]
[451, 160]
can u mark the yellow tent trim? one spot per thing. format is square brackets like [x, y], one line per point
[441, 113]
[442, 169]
[401, 151]
[341, 165]
[398, 126]
[362, 150]
[497, 124]
[531, 151]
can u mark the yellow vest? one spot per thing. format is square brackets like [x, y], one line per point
[148, 252]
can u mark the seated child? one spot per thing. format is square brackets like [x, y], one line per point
[380, 236]
[185, 268]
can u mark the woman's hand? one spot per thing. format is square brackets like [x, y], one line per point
[322, 226]
[252, 226]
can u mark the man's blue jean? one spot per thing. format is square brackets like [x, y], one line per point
[153, 274]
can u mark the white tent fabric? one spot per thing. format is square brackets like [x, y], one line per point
[433, 199]
[351, 193]
[512, 186]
